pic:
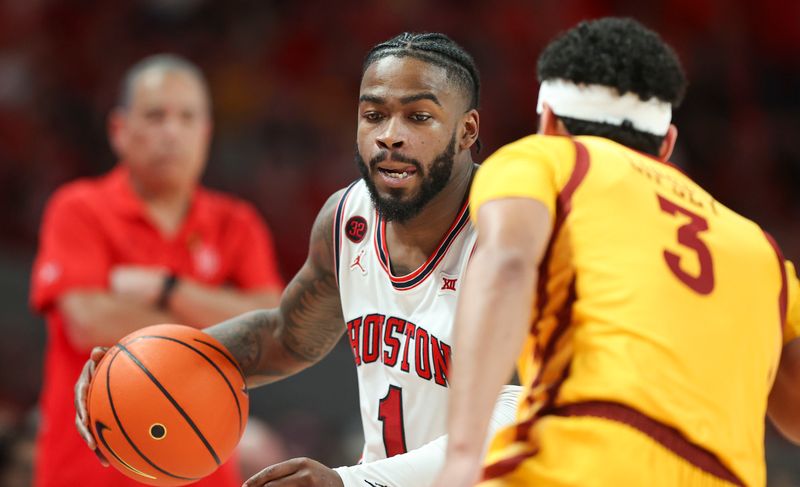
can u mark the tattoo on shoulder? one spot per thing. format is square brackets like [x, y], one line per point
[311, 305]
[308, 322]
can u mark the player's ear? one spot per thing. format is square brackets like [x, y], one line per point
[471, 124]
[665, 151]
[116, 130]
[549, 124]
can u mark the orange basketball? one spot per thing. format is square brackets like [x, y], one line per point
[167, 405]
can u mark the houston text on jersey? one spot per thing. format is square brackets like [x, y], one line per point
[393, 340]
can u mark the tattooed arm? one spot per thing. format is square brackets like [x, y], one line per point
[272, 344]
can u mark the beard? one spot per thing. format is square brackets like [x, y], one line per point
[394, 207]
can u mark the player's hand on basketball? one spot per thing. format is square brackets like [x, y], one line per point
[143, 284]
[81, 391]
[297, 472]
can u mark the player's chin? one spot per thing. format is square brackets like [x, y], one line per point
[396, 196]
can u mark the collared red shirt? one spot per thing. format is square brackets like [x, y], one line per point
[92, 225]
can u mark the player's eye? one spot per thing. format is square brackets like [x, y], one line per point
[420, 117]
[372, 116]
[188, 116]
[154, 115]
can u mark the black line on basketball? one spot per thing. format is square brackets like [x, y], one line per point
[173, 401]
[227, 357]
[122, 428]
[211, 362]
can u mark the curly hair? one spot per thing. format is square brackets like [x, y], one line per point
[620, 53]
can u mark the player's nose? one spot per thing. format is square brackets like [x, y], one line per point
[391, 136]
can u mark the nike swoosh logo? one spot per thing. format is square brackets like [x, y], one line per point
[375, 484]
[100, 427]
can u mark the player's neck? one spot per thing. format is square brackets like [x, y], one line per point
[414, 240]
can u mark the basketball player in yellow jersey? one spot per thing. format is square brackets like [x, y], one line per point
[648, 316]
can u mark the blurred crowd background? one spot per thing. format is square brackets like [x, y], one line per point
[284, 78]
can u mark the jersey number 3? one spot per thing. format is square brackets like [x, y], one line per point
[390, 413]
[688, 236]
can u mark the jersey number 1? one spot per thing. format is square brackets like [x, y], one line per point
[390, 413]
[703, 282]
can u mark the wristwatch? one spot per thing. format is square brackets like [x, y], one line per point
[170, 281]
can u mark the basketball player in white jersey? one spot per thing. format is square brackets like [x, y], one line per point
[385, 264]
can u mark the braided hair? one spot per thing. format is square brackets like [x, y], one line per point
[436, 49]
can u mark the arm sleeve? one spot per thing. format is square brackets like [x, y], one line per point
[529, 168]
[418, 468]
[791, 329]
[73, 251]
[257, 266]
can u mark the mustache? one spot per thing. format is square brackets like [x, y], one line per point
[385, 155]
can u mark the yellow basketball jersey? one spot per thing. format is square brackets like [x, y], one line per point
[652, 295]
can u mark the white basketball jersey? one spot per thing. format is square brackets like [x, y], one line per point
[399, 328]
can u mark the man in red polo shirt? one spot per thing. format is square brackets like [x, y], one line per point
[141, 245]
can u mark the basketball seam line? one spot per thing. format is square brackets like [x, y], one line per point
[122, 429]
[174, 403]
[211, 362]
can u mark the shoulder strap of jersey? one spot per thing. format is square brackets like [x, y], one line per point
[339, 223]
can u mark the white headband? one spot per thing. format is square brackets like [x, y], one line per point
[603, 104]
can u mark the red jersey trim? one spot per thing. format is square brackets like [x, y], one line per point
[783, 297]
[563, 209]
[337, 228]
[667, 436]
[506, 465]
[418, 276]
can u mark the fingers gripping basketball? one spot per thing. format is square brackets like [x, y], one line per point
[167, 405]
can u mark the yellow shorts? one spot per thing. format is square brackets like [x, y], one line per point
[592, 451]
